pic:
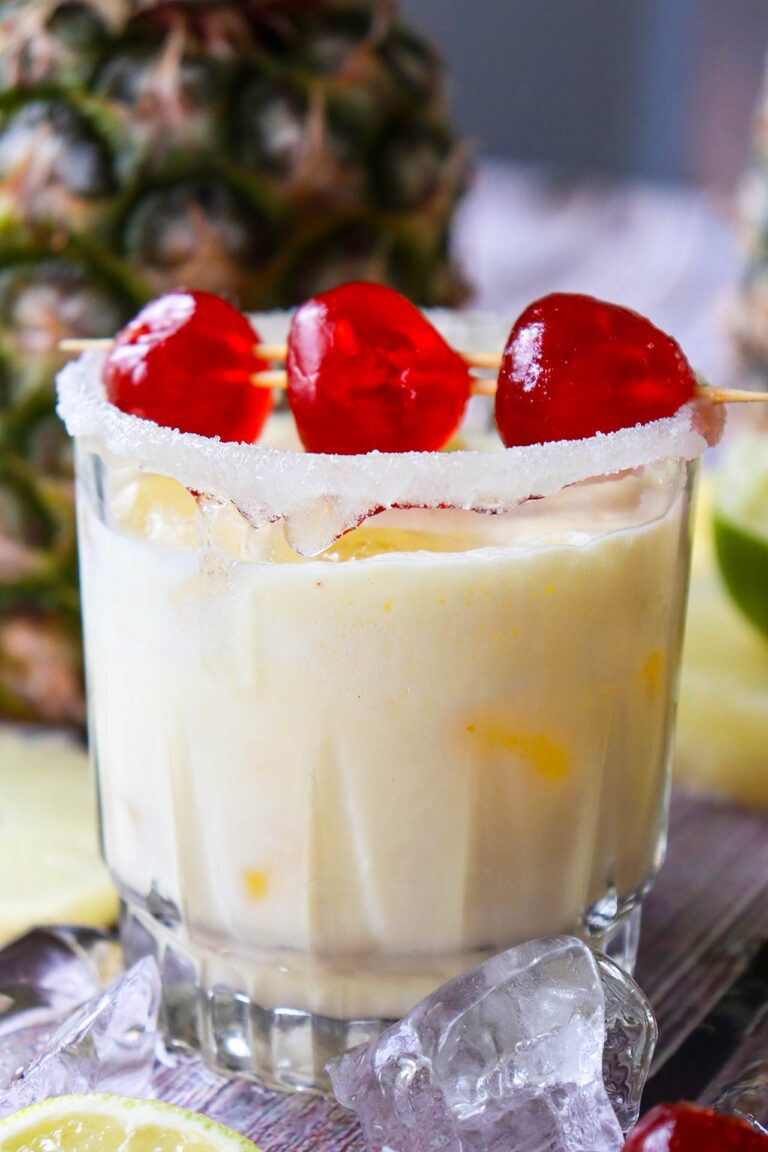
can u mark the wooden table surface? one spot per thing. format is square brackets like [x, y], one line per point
[672, 255]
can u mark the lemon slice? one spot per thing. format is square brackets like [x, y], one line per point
[98, 1123]
[50, 868]
[741, 526]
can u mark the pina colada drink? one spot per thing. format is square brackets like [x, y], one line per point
[362, 720]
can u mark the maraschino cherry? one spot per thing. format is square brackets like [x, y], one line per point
[686, 1128]
[574, 366]
[367, 371]
[186, 361]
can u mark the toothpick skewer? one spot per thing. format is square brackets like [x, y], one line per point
[487, 387]
[272, 352]
[276, 354]
[482, 387]
[82, 345]
[490, 360]
[731, 395]
[277, 379]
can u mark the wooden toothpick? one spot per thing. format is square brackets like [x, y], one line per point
[276, 354]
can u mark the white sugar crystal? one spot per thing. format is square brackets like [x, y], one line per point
[321, 496]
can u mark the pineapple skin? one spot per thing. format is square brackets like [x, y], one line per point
[265, 150]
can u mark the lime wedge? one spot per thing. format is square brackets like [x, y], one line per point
[741, 526]
[50, 868]
[114, 1124]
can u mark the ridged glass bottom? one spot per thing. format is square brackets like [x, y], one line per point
[205, 1007]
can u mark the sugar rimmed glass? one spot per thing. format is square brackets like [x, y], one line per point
[337, 765]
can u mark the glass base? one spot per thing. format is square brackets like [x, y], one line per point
[612, 926]
[205, 1007]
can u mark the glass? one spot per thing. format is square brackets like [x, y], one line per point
[329, 783]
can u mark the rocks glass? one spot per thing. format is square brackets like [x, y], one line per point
[360, 722]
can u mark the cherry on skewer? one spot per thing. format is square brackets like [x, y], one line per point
[368, 372]
[187, 361]
[574, 366]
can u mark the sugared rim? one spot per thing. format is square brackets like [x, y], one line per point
[322, 496]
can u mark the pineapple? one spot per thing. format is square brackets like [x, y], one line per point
[262, 149]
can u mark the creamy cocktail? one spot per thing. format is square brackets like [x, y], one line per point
[336, 767]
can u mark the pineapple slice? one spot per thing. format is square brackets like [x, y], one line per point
[384, 535]
[157, 508]
[722, 726]
[50, 868]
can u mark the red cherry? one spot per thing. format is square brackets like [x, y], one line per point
[367, 371]
[574, 366]
[186, 362]
[686, 1128]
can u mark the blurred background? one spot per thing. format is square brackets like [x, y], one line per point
[646, 88]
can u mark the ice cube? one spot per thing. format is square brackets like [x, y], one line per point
[46, 973]
[508, 1057]
[108, 1045]
[44, 976]
[630, 1039]
[747, 1097]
